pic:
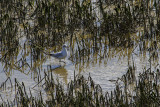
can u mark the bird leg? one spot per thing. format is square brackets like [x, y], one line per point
[59, 61]
[62, 61]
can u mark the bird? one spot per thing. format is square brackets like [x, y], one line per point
[60, 55]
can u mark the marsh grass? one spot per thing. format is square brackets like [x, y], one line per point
[84, 92]
[47, 24]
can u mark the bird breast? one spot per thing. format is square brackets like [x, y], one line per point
[64, 52]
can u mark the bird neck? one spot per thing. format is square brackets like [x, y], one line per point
[64, 49]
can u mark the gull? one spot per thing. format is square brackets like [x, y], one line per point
[60, 55]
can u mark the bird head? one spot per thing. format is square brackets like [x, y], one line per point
[65, 46]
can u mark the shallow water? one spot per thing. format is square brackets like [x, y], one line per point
[104, 71]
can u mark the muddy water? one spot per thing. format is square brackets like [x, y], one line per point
[104, 71]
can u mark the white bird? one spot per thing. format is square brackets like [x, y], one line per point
[62, 54]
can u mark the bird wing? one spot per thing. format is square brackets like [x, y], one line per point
[57, 55]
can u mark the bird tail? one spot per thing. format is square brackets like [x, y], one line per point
[52, 55]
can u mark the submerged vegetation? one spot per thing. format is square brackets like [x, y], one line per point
[84, 92]
[92, 28]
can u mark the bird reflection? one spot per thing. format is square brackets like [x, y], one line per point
[61, 71]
